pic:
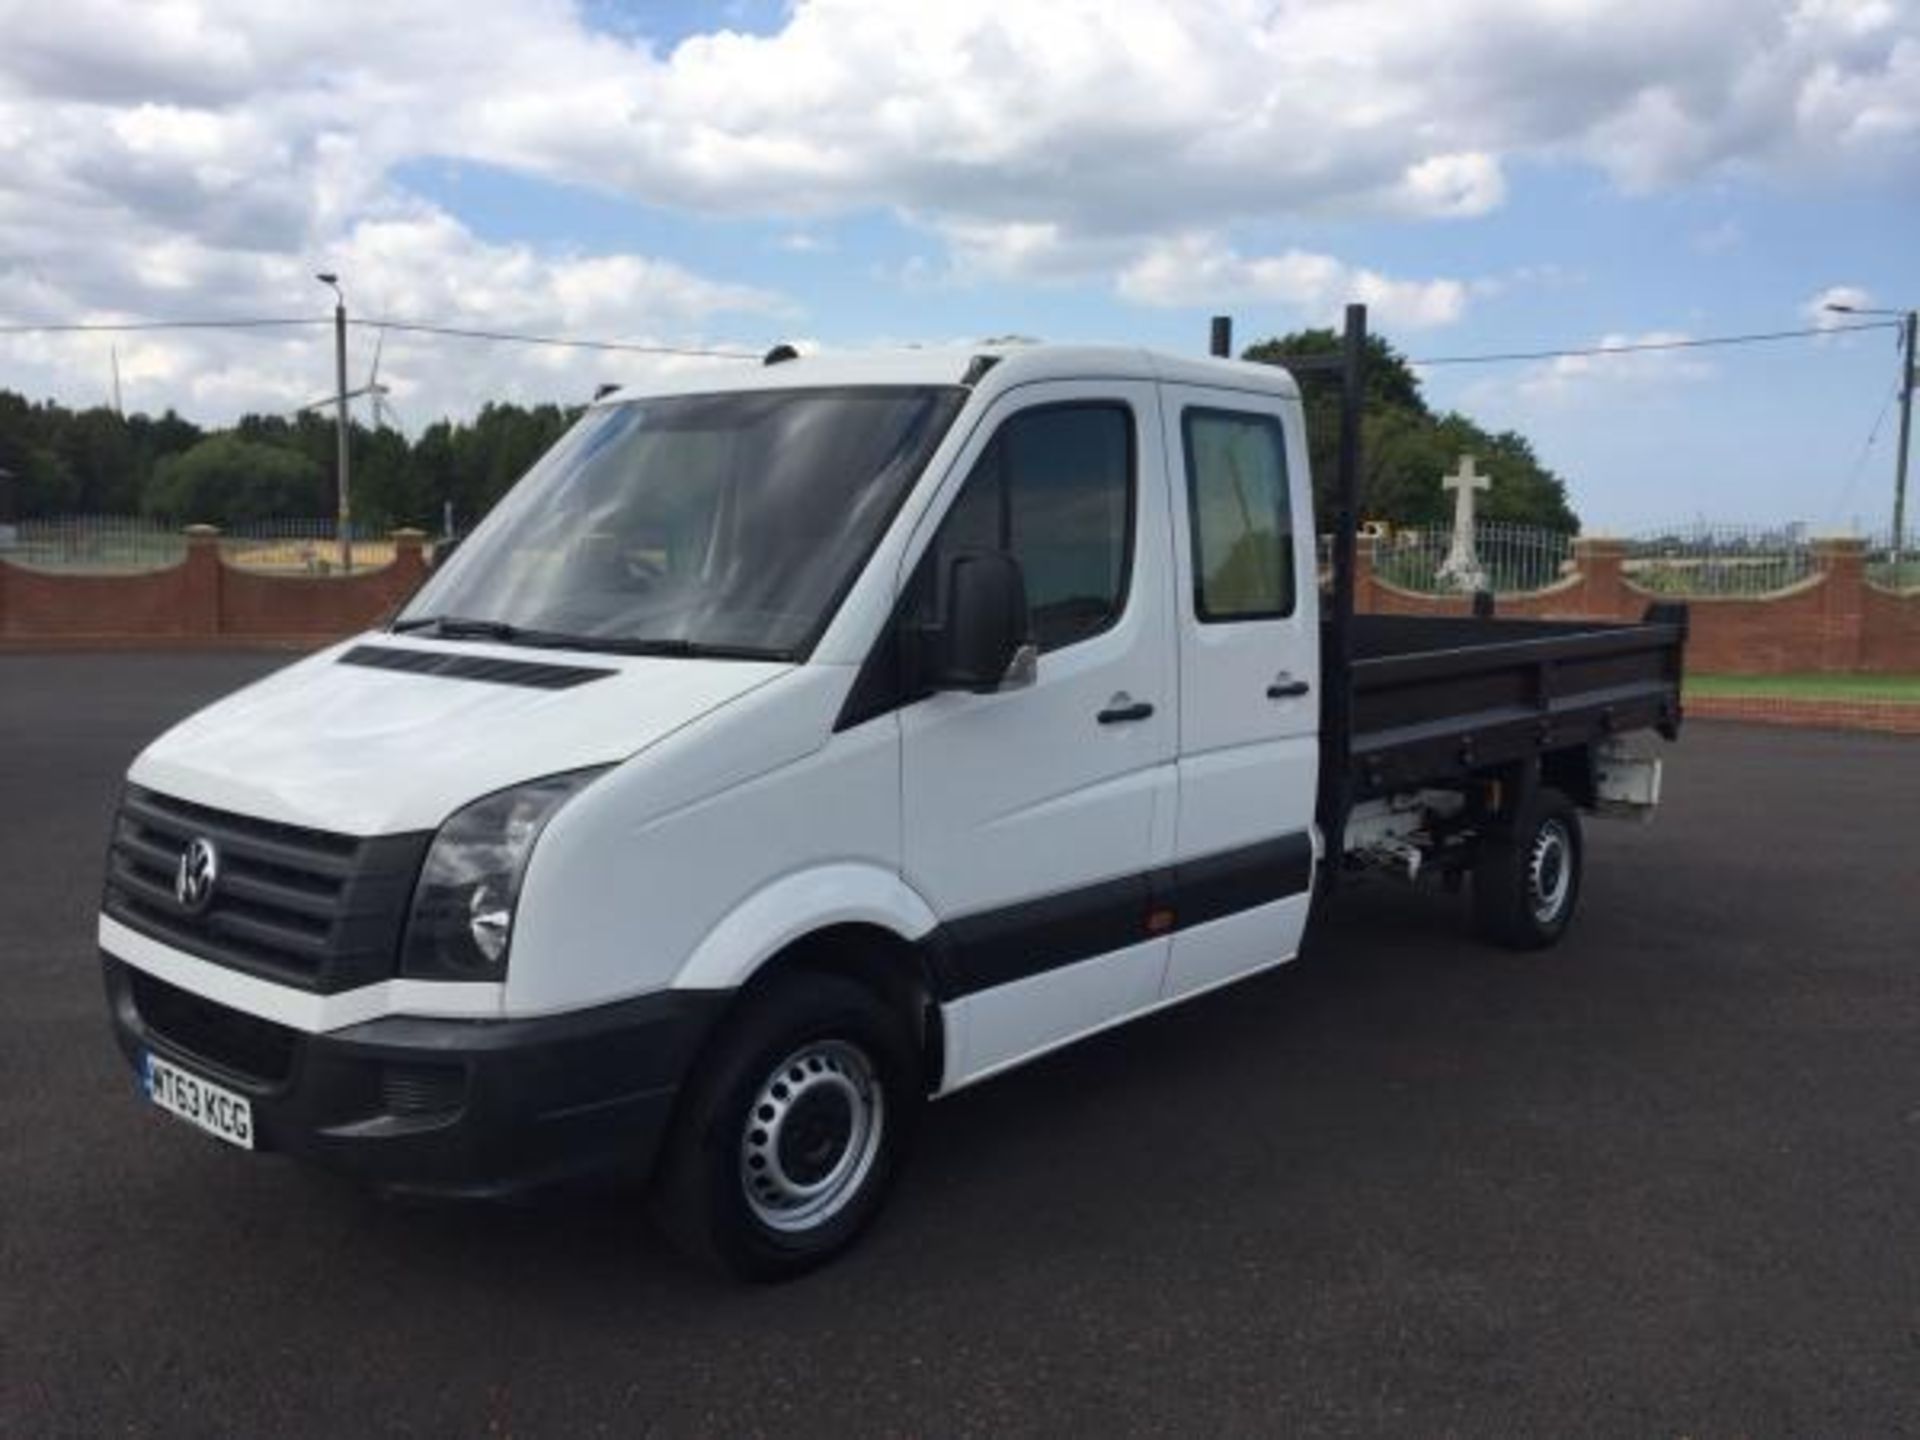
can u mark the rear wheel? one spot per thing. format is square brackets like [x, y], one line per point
[1526, 883]
[792, 1128]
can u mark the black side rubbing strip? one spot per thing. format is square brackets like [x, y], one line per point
[997, 947]
[1213, 887]
[1015, 942]
[529, 673]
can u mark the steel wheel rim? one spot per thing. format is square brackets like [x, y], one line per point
[1550, 871]
[811, 1137]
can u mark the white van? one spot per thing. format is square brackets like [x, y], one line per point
[794, 743]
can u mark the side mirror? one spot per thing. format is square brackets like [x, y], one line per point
[984, 645]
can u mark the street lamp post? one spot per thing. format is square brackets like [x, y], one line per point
[343, 520]
[1910, 320]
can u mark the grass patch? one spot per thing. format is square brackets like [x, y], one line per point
[1904, 689]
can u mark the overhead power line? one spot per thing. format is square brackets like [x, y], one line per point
[566, 342]
[557, 341]
[120, 327]
[1642, 346]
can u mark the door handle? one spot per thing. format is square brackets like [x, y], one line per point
[1122, 708]
[1284, 689]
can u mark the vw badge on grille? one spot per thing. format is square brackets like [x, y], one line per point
[194, 877]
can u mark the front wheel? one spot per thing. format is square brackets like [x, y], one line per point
[1527, 881]
[792, 1128]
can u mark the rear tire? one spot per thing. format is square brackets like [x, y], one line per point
[791, 1131]
[1526, 884]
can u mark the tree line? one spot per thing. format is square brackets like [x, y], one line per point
[60, 461]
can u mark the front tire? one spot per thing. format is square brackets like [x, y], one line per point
[792, 1129]
[1526, 884]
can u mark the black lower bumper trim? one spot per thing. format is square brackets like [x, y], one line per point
[484, 1108]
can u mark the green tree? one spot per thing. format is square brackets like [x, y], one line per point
[46, 483]
[1405, 448]
[435, 472]
[387, 486]
[99, 450]
[267, 466]
[67, 461]
[225, 480]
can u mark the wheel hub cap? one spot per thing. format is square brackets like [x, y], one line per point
[1549, 872]
[811, 1136]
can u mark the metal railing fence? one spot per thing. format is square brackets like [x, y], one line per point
[1510, 559]
[1706, 560]
[129, 544]
[1891, 567]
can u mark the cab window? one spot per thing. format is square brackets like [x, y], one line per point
[1242, 533]
[1054, 489]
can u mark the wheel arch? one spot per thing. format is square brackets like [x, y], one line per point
[856, 921]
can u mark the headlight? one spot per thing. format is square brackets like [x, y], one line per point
[462, 920]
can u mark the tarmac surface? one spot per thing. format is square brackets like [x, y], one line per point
[1664, 1180]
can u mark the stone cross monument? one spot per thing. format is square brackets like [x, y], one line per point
[1461, 570]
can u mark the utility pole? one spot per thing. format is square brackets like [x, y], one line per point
[1909, 322]
[1906, 435]
[344, 518]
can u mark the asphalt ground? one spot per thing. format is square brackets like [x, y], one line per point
[1662, 1181]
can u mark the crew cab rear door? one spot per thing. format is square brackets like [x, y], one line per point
[1249, 651]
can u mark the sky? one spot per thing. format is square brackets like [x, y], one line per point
[1488, 175]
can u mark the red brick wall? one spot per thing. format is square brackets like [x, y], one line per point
[201, 601]
[275, 605]
[1889, 716]
[33, 603]
[1890, 638]
[1832, 621]
[1779, 636]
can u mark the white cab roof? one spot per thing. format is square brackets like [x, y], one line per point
[948, 365]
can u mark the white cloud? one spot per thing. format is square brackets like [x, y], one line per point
[416, 265]
[1620, 364]
[201, 154]
[1453, 186]
[1851, 296]
[1200, 269]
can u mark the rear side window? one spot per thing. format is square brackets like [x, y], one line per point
[1237, 511]
[1054, 488]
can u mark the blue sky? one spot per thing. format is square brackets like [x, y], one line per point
[1493, 174]
[1761, 433]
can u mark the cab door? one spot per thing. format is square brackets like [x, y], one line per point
[1249, 650]
[1033, 817]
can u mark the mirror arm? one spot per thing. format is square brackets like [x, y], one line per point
[1023, 669]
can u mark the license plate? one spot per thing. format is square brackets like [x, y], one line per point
[216, 1110]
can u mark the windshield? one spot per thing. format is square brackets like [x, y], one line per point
[728, 523]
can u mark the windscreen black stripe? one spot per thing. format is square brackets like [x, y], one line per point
[1015, 942]
[491, 670]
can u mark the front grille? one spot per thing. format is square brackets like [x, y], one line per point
[301, 907]
[225, 1039]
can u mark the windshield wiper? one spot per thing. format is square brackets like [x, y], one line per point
[663, 645]
[460, 627]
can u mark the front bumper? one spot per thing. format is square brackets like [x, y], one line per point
[480, 1108]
